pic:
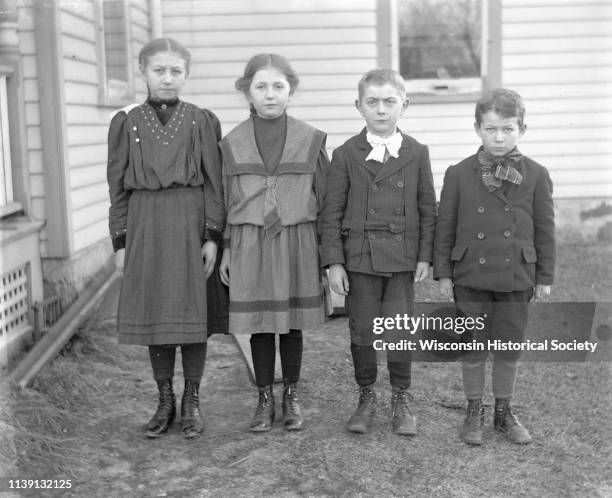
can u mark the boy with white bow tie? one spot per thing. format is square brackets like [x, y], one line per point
[377, 225]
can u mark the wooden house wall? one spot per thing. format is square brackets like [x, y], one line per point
[555, 53]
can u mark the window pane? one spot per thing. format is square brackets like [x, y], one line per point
[115, 46]
[440, 45]
[6, 185]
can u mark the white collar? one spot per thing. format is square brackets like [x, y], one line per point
[379, 145]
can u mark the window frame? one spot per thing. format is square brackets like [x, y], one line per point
[9, 137]
[104, 95]
[388, 50]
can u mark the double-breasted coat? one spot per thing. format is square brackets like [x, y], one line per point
[499, 241]
[378, 218]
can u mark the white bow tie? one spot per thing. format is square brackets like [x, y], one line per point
[391, 144]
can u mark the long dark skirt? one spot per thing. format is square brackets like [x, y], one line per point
[163, 292]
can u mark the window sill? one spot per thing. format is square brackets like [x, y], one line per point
[12, 208]
[428, 98]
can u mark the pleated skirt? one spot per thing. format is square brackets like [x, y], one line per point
[163, 290]
[275, 284]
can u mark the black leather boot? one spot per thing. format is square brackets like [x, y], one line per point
[292, 412]
[192, 423]
[505, 421]
[471, 431]
[403, 422]
[166, 410]
[361, 421]
[264, 413]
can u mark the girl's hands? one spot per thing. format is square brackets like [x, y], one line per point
[446, 288]
[422, 271]
[338, 279]
[224, 266]
[119, 261]
[209, 255]
[541, 292]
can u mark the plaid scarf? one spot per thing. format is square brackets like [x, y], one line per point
[495, 169]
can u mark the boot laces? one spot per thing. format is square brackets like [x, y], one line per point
[265, 402]
[291, 399]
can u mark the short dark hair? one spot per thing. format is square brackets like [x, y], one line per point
[163, 45]
[380, 77]
[505, 102]
[264, 61]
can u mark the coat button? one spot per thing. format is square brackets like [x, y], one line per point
[372, 211]
[137, 140]
[507, 208]
[400, 184]
[508, 260]
[482, 261]
[507, 233]
[481, 235]
[374, 187]
[398, 238]
[481, 209]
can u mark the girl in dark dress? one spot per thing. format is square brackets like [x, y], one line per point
[166, 219]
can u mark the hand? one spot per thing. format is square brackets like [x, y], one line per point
[542, 291]
[338, 279]
[446, 288]
[224, 267]
[119, 261]
[209, 255]
[422, 271]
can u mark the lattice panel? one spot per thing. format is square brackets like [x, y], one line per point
[14, 302]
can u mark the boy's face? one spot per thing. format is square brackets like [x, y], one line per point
[498, 134]
[165, 74]
[381, 107]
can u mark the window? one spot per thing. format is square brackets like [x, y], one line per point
[6, 185]
[117, 86]
[442, 47]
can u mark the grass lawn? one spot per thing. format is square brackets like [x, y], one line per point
[83, 420]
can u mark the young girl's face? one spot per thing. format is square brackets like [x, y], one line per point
[269, 93]
[165, 74]
[498, 134]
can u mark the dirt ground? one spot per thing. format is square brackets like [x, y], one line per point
[102, 395]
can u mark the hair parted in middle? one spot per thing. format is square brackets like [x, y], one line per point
[380, 77]
[163, 45]
[265, 61]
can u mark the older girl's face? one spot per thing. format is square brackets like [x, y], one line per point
[165, 74]
[269, 93]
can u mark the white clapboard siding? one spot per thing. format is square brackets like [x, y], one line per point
[86, 120]
[557, 55]
[87, 176]
[330, 45]
[27, 51]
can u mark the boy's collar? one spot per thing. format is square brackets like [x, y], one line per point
[363, 141]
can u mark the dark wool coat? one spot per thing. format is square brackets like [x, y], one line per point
[378, 218]
[501, 241]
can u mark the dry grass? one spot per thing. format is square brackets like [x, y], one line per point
[83, 419]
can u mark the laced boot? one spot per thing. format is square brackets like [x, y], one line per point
[471, 431]
[191, 417]
[505, 421]
[361, 421]
[292, 412]
[402, 420]
[166, 410]
[264, 413]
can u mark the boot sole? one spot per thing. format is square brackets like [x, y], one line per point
[260, 429]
